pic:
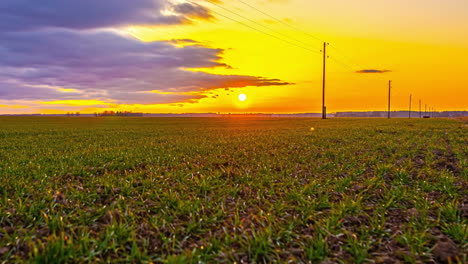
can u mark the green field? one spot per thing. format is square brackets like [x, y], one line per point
[225, 190]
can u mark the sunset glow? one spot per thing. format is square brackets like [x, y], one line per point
[192, 56]
[233, 131]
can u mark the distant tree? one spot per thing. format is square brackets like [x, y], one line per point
[119, 113]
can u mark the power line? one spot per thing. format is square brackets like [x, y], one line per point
[255, 22]
[288, 38]
[346, 57]
[281, 21]
[288, 25]
[353, 61]
[345, 65]
[261, 31]
[341, 63]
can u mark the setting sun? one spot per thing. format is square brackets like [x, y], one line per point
[242, 97]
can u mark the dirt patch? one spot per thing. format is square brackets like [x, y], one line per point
[353, 223]
[387, 260]
[463, 208]
[4, 250]
[445, 250]
[396, 217]
[110, 216]
[336, 246]
[419, 161]
[447, 160]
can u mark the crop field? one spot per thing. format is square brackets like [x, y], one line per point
[233, 190]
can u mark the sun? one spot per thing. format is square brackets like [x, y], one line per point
[242, 97]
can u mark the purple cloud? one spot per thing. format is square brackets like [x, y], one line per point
[11, 90]
[193, 11]
[105, 65]
[67, 50]
[89, 14]
[373, 71]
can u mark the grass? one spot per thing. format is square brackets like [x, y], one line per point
[214, 190]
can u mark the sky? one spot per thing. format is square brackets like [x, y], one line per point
[181, 56]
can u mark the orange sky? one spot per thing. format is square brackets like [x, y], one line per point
[424, 45]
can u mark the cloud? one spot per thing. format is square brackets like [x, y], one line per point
[373, 71]
[193, 11]
[184, 41]
[58, 50]
[64, 64]
[13, 90]
[90, 14]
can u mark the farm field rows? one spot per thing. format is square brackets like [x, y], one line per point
[225, 190]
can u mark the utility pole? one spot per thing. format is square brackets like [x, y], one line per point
[420, 112]
[324, 108]
[389, 97]
[425, 109]
[409, 113]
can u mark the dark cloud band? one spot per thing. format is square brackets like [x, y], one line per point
[89, 14]
[373, 71]
[108, 66]
[65, 50]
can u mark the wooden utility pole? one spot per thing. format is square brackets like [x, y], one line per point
[410, 97]
[389, 96]
[324, 108]
[425, 109]
[420, 112]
